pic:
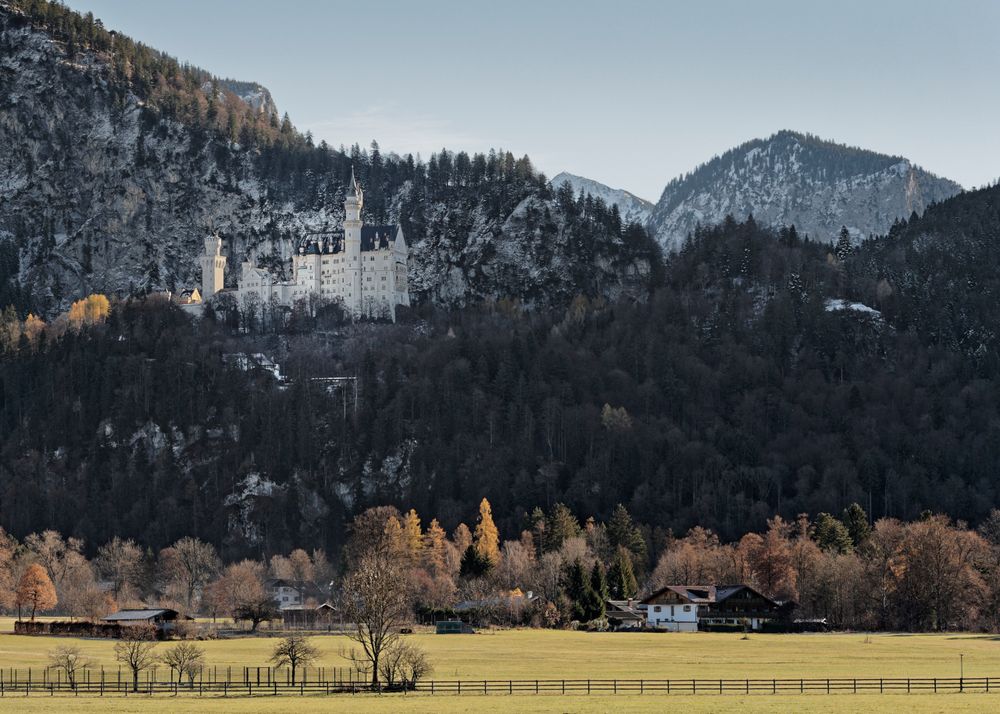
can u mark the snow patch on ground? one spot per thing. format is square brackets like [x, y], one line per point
[838, 305]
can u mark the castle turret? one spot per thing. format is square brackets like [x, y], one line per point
[353, 203]
[213, 267]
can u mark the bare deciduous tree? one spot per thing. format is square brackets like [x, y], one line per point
[190, 563]
[375, 601]
[136, 650]
[69, 660]
[185, 659]
[404, 663]
[120, 561]
[294, 651]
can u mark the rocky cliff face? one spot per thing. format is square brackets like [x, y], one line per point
[792, 178]
[100, 193]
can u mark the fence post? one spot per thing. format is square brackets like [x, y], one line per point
[774, 686]
[935, 685]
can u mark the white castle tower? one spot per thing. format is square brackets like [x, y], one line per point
[353, 202]
[213, 267]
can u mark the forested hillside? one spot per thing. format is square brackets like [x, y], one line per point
[754, 381]
[937, 274]
[120, 160]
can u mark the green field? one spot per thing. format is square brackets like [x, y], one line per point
[548, 654]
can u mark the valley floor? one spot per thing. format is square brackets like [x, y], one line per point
[548, 654]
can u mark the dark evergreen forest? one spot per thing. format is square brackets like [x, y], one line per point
[735, 391]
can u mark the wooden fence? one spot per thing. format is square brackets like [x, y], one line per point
[266, 681]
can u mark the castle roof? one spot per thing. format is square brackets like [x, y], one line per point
[372, 238]
[376, 237]
[352, 188]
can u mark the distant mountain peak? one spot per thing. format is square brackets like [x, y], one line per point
[794, 178]
[632, 208]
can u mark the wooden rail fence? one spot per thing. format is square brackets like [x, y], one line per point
[265, 681]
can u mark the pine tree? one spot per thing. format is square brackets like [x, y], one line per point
[473, 564]
[598, 581]
[844, 247]
[487, 538]
[856, 521]
[623, 532]
[831, 535]
[560, 526]
[621, 578]
[576, 589]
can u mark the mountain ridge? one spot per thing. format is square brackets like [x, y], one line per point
[791, 178]
[632, 208]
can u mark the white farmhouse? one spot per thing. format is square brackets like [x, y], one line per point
[681, 608]
[365, 268]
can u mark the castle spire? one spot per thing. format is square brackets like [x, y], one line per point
[352, 187]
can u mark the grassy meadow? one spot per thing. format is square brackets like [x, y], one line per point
[549, 654]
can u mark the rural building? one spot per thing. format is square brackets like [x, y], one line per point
[164, 619]
[453, 627]
[624, 614]
[306, 617]
[289, 594]
[687, 608]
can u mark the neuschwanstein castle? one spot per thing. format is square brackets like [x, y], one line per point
[364, 268]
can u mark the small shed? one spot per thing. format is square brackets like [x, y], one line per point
[454, 627]
[162, 618]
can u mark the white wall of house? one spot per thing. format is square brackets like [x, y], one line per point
[286, 596]
[675, 618]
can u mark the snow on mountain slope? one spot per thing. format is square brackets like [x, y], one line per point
[632, 208]
[798, 179]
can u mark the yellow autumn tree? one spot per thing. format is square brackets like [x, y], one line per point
[487, 538]
[412, 536]
[89, 311]
[33, 328]
[394, 536]
[435, 548]
[35, 590]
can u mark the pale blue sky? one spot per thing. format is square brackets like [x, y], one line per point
[627, 93]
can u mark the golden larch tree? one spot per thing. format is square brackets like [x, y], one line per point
[435, 548]
[412, 536]
[394, 536]
[487, 537]
[36, 590]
